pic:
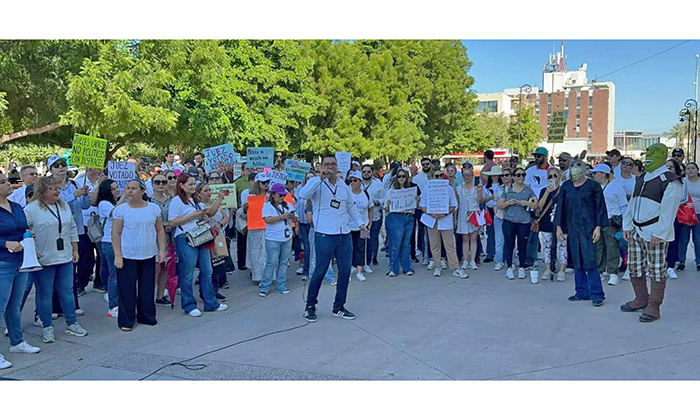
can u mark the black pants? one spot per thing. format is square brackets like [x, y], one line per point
[241, 240]
[136, 283]
[86, 264]
[358, 249]
[511, 232]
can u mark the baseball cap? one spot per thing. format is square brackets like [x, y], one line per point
[53, 159]
[541, 151]
[678, 150]
[356, 174]
[613, 152]
[601, 168]
[278, 189]
[514, 159]
[468, 162]
[394, 165]
[354, 162]
[193, 171]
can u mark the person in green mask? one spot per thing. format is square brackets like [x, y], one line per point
[648, 227]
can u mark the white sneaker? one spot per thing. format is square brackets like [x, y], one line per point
[300, 271]
[437, 272]
[498, 266]
[443, 264]
[76, 330]
[222, 307]
[509, 274]
[353, 270]
[79, 312]
[48, 335]
[613, 280]
[37, 322]
[561, 276]
[521, 273]
[334, 283]
[626, 276]
[4, 364]
[165, 293]
[569, 270]
[671, 273]
[54, 316]
[195, 313]
[113, 313]
[473, 265]
[547, 275]
[459, 273]
[367, 269]
[24, 347]
[431, 265]
[465, 265]
[106, 297]
[6, 332]
[391, 274]
[361, 277]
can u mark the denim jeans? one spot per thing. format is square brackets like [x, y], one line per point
[12, 286]
[685, 233]
[373, 243]
[588, 285]
[278, 254]
[511, 232]
[304, 235]
[498, 230]
[102, 268]
[187, 257]
[490, 237]
[399, 228]
[108, 260]
[672, 257]
[58, 278]
[328, 246]
[330, 274]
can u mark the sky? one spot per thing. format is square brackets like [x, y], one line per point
[648, 95]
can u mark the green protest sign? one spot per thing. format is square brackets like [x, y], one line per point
[89, 151]
[557, 127]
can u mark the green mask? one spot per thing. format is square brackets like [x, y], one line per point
[655, 157]
[577, 170]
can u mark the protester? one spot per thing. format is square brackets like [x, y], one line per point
[399, 227]
[493, 192]
[215, 178]
[108, 197]
[137, 237]
[29, 174]
[365, 208]
[278, 216]
[469, 197]
[451, 172]
[672, 254]
[613, 158]
[552, 248]
[373, 186]
[637, 168]
[581, 214]
[167, 268]
[536, 179]
[13, 225]
[626, 177]
[488, 165]
[218, 220]
[329, 277]
[648, 227]
[184, 213]
[515, 201]
[304, 228]
[255, 248]
[87, 249]
[692, 183]
[441, 230]
[421, 181]
[608, 248]
[564, 163]
[56, 240]
[170, 164]
[678, 155]
[332, 206]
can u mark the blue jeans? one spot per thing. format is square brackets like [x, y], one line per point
[304, 233]
[187, 257]
[328, 246]
[498, 230]
[588, 285]
[685, 233]
[12, 285]
[330, 274]
[399, 228]
[108, 260]
[373, 243]
[278, 254]
[490, 237]
[58, 278]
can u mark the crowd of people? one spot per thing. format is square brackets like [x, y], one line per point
[617, 220]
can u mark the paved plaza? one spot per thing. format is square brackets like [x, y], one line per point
[407, 328]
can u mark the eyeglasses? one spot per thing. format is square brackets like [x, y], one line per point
[59, 164]
[521, 175]
[676, 155]
[354, 180]
[401, 176]
[629, 163]
[552, 177]
[330, 164]
[172, 178]
[160, 182]
[32, 174]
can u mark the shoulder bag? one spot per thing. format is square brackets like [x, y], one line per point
[535, 227]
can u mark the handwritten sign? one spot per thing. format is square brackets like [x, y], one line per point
[296, 170]
[121, 172]
[89, 151]
[277, 177]
[260, 157]
[214, 155]
[438, 196]
[344, 160]
[402, 200]
[230, 200]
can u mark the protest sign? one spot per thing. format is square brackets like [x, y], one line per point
[89, 151]
[260, 157]
[214, 155]
[121, 172]
[402, 200]
[255, 219]
[277, 177]
[237, 170]
[230, 200]
[296, 170]
[438, 196]
[344, 160]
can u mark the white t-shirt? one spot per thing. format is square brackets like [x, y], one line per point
[536, 178]
[363, 204]
[276, 231]
[80, 181]
[103, 210]
[179, 209]
[139, 236]
[244, 196]
[628, 184]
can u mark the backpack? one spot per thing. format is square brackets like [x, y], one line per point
[95, 229]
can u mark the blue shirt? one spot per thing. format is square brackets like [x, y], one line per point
[12, 228]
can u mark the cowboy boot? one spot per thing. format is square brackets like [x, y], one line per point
[641, 295]
[652, 312]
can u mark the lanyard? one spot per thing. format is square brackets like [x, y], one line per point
[330, 189]
[57, 215]
[280, 213]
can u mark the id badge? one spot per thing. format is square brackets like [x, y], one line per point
[287, 233]
[335, 204]
[59, 244]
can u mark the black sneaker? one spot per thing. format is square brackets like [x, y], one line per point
[220, 297]
[81, 291]
[697, 267]
[488, 260]
[343, 313]
[310, 314]
[597, 303]
[375, 262]
[574, 299]
[681, 267]
[164, 301]
[225, 285]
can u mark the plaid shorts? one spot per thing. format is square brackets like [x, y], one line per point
[641, 256]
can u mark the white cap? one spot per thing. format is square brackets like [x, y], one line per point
[601, 168]
[355, 174]
[261, 177]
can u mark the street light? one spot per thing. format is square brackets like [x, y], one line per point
[527, 88]
[686, 115]
[694, 104]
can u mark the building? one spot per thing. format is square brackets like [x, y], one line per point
[635, 142]
[587, 108]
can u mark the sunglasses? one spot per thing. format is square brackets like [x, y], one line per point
[519, 175]
[172, 178]
[214, 178]
[506, 175]
[354, 180]
[401, 176]
[264, 182]
[629, 163]
[366, 172]
[538, 155]
[160, 182]
[676, 155]
[552, 177]
[425, 164]
[59, 164]
[563, 160]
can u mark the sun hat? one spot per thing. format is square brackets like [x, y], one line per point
[495, 171]
[261, 177]
[278, 189]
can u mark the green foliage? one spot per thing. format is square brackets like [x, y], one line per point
[489, 131]
[26, 152]
[524, 133]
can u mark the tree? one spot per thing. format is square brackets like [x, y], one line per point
[489, 131]
[680, 131]
[524, 133]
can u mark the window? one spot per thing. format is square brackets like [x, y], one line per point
[489, 106]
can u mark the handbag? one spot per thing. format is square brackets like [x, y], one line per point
[199, 235]
[535, 227]
[616, 221]
[241, 221]
[220, 247]
[222, 265]
[95, 229]
[686, 213]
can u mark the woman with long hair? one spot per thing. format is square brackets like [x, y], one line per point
[13, 225]
[692, 183]
[171, 186]
[167, 268]
[399, 227]
[469, 197]
[492, 192]
[108, 197]
[56, 240]
[278, 215]
[364, 206]
[218, 221]
[507, 179]
[256, 258]
[552, 249]
[184, 213]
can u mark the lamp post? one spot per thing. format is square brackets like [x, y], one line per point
[685, 116]
[527, 88]
[692, 104]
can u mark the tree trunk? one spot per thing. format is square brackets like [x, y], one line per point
[30, 132]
